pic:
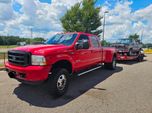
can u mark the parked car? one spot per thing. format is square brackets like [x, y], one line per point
[59, 58]
[129, 46]
[21, 43]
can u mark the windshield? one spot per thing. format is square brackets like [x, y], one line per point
[65, 39]
[124, 41]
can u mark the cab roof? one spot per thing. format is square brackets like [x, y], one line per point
[88, 34]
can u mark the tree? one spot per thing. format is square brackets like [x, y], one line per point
[82, 17]
[134, 36]
[13, 40]
[105, 43]
[9, 40]
[38, 39]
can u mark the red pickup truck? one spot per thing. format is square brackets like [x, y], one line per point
[58, 59]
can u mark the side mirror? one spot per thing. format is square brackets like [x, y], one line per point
[79, 45]
[82, 44]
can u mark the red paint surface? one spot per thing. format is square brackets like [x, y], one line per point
[80, 59]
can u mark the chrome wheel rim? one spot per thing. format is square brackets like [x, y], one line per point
[61, 82]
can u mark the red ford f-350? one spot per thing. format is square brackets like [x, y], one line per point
[58, 59]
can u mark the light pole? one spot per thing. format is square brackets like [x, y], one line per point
[31, 34]
[104, 21]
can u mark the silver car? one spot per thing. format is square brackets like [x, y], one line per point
[129, 46]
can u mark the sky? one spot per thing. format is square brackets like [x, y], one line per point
[125, 17]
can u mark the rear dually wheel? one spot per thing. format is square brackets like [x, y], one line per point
[111, 65]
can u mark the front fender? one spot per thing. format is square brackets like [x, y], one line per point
[55, 58]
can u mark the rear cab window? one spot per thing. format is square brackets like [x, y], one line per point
[94, 41]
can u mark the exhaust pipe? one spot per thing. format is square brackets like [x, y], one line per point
[12, 74]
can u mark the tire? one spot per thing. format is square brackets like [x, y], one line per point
[112, 65]
[59, 82]
[140, 59]
[130, 52]
[141, 56]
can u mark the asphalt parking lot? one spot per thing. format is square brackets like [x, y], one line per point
[128, 89]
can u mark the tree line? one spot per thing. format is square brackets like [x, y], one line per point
[14, 40]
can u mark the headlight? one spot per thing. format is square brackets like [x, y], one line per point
[38, 60]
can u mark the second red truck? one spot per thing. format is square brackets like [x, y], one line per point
[58, 59]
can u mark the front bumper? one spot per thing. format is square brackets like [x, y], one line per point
[28, 74]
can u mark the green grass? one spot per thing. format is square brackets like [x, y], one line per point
[5, 46]
[2, 59]
[1, 65]
[2, 55]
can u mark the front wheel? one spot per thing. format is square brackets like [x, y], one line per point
[59, 81]
[111, 65]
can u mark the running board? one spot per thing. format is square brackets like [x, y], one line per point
[89, 70]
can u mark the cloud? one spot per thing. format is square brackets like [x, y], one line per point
[5, 1]
[44, 18]
[6, 11]
[2, 27]
[121, 22]
[144, 17]
[144, 14]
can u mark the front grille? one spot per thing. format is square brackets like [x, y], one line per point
[20, 58]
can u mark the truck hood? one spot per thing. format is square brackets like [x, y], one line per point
[41, 49]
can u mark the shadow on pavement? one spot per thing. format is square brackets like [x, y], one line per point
[39, 96]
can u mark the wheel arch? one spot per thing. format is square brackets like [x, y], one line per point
[115, 55]
[109, 55]
[63, 64]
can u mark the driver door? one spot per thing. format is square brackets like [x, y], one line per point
[83, 56]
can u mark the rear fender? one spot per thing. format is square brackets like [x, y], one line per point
[109, 56]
